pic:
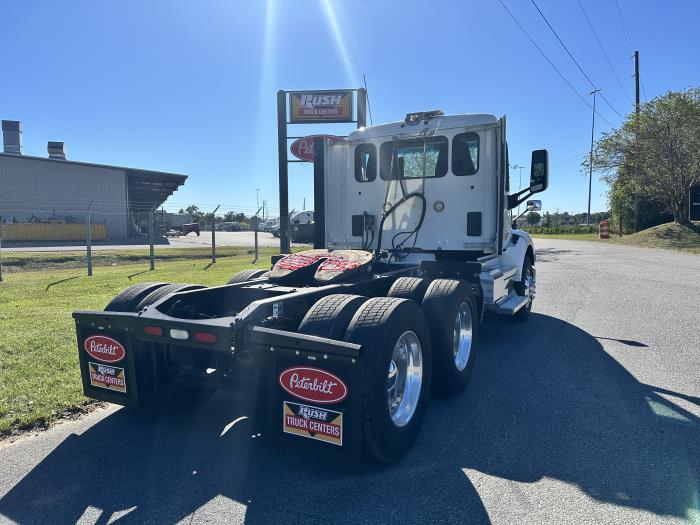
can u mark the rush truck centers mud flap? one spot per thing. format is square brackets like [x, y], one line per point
[314, 390]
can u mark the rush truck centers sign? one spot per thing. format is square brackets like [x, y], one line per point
[321, 106]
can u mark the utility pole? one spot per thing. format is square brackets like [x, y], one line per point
[590, 167]
[304, 205]
[636, 126]
[636, 82]
[520, 181]
[257, 197]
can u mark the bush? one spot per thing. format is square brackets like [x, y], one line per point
[556, 230]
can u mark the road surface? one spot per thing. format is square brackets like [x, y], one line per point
[588, 413]
[238, 239]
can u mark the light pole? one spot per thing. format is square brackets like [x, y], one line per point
[257, 197]
[590, 166]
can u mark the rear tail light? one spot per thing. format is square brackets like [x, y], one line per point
[153, 330]
[182, 335]
[205, 337]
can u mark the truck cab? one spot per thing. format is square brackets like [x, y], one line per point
[431, 188]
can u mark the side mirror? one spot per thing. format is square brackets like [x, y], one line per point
[539, 171]
[534, 205]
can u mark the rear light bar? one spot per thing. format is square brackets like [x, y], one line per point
[181, 335]
[205, 337]
[153, 330]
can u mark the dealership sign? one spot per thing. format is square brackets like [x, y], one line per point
[321, 106]
[303, 148]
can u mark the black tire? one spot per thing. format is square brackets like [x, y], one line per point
[247, 275]
[523, 314]
[128, 300]
[440, 305]
[159, 293]
[409, 288]
[329, 316]
[377, 326]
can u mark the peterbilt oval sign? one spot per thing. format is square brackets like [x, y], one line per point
[104, 348]
[313, 384]
[303, 148]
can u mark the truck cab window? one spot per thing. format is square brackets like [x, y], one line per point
[365, 162]
[465, 154]
[416, 155]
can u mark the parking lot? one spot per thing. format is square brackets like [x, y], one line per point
[588, 413]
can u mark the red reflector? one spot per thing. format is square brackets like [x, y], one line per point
[153, 330]
[205, 337]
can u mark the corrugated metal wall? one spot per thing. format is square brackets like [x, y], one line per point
[32, 186]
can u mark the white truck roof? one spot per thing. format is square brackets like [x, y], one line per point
[439, 122]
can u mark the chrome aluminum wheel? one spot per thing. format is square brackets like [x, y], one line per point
[529, 284]
[462, 338]
[405, 378]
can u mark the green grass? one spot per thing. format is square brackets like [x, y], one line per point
[671, 236]
[568, 236]
[39, 374]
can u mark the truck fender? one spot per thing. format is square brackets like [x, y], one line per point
[518, 247]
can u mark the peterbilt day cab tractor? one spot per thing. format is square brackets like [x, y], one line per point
[343, 344]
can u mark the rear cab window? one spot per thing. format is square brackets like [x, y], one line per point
[465, 154]
[424, 157]
[365, 162]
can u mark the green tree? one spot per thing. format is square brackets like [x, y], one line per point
[653, 157]
[193, 210]
[533, 218]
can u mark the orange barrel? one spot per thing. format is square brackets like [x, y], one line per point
[604, 229]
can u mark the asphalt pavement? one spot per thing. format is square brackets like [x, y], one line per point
[587, 413]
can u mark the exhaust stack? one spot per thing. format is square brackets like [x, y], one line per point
[12, 136]
[57, 150]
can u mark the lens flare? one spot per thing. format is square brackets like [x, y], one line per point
[339, 40]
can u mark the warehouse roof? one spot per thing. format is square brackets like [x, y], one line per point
[146, 187]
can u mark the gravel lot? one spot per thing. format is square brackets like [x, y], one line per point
[589, 413]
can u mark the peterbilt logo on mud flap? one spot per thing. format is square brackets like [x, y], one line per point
[313, 384]
[104, 349]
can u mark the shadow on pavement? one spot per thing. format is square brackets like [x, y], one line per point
[546, 401]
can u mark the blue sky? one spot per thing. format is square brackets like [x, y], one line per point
[189, 86]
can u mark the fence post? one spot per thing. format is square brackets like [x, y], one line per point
[256, 223]
[213, 234]
[88, 241]
[1, 232]
[151, 250]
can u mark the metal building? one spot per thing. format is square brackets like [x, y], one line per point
[36, 189]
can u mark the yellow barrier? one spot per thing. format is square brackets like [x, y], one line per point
[50, 232]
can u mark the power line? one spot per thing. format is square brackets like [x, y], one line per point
[604, 53]
[573, 59]
[566, 80]
[628, 39]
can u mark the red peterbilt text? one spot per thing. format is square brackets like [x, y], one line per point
[104, 349]
[313, 384]
[303, 148]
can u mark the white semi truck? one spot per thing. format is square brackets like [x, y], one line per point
[343, 344]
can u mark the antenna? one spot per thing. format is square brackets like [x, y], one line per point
[369, 106]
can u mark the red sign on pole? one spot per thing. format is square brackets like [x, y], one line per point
[303, 148]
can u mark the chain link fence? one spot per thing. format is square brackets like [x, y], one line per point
[51, 247]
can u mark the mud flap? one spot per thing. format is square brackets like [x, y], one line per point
[314, 390]
[108, 357]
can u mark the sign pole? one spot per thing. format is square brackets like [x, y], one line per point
[283, 170]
